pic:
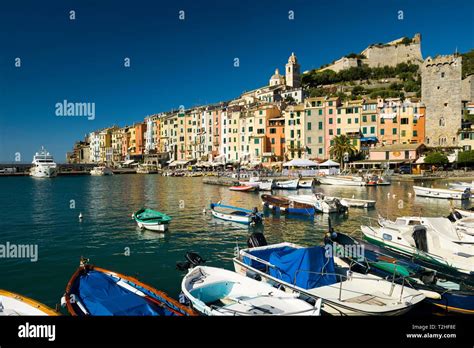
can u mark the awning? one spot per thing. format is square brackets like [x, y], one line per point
[389, 116]
[127, 162]
[369, 139]
[329, 163]
[178, 163]
[298, 162]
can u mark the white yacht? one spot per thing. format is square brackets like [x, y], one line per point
[101, 170]
[43, 165]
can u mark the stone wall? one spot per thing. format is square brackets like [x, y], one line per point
[391, 55]
[441, 92]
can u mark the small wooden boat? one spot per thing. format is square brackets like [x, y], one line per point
[287, 184]
[283, 204]
[320, 202]
[236, 214]
[305, 183]
[356, 203]
[151, 220]
[442, 193]
[96, 291]
[216, 291]
[243, 188]
[12, 304]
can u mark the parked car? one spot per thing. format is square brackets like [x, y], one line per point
[404, 170]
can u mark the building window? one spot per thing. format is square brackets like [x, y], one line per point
[320, 125]
[320, 151]
[364, 118]
[331, 132]
[320, 112]
[330, 111]
[394, 131]
[338, 120]
[349, 121]
[330, 121]
[373, 118]
[442, 122]
[320, 140]
[308, 112]
[309, 151]
[404, 120]
[403, 133]
[330, 103]
[272, 130]
[382, 132]
[273, 141]
[372, 130]
[309, 125]
[309, 140]
[415, 133]
[364, 130]
[338, 132]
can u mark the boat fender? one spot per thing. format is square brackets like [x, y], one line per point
[430, 294]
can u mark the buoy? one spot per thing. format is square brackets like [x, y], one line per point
[204, 211]
[388, 195]
[80, 216]
[353, 196]
[409, 194]
[394, 196]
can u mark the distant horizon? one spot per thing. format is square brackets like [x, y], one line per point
[177, 62]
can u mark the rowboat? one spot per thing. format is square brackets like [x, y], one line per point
[12, 304]
[285, 205]
[420, 243]
[343, 180]
[448, 292]
[265, 185]
[287, 184]
[314, 273]
[151, 220]
[442, 193]
[219, 292]
[356, 203]
[305, 183]
[96, 291]
[320, 202]
[236, 214]
[243, 188]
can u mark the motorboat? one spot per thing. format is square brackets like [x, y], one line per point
[442, 193]
[424, 244]
[152, 220]
[259, 184]
[43, 165]
[219, 292]
[101, 170]
[439, 225]
[236, 214]
[343, 180]
[314, 273]
[305, 183]
[95, 291]
[287, 184]
[449, 292]
[285, 205]
[320, 202]
[12, 304]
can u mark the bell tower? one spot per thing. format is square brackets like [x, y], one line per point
[292, 72]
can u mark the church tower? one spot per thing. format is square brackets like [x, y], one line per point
[292, 72]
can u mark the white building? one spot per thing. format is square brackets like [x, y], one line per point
[94, 141]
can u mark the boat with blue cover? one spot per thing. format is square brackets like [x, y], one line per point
[151, 219]
[313, 274]
[448, 292]
[285, 205]
[95, 291]
[236, 214]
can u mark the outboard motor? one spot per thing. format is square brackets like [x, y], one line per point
[256, 239]
[256, 218]
[192, 260]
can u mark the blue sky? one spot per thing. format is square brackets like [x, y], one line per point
[177, 62]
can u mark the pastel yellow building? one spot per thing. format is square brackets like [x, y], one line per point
[295, 131]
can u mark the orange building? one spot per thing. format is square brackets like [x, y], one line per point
[139, 146]
[275, 137]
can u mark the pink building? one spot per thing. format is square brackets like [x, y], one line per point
[397, 153]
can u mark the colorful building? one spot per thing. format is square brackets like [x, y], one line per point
[294, 132]
[315, 119]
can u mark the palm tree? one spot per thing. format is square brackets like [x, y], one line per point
[340, 146]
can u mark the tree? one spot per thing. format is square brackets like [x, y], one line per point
[466, 157]
[437, 158]
[341, 145]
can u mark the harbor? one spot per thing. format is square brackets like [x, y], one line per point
[47, 212]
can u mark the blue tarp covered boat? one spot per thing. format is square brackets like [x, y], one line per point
[97, 291]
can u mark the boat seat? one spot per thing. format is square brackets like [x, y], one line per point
[366, 299]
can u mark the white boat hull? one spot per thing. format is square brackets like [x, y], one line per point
[357, 203]
[322, 205]
[234, 218]
[265, 186]
[287, 185]
[219, 292]
[441, 193]
[153, 226]
[342, 181]
[43, 172]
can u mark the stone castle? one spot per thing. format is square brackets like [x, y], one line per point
[445, 95]
[391, 54]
